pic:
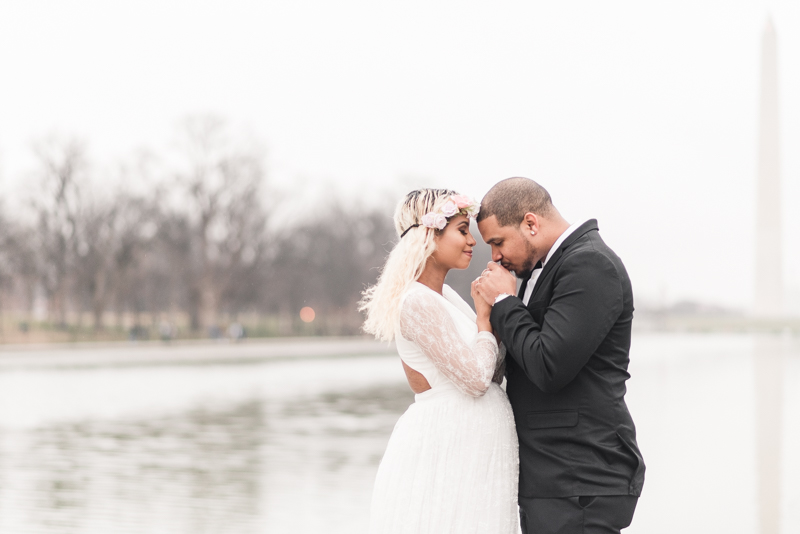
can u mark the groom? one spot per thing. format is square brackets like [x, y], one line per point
[567, 333]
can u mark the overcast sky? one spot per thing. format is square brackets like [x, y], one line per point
[641, 114]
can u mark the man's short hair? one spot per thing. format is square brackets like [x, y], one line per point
[510, 199]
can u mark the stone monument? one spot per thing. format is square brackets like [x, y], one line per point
[769, 260]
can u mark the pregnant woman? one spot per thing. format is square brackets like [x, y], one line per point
[451, 464]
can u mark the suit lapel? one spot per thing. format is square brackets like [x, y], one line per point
[579, 232]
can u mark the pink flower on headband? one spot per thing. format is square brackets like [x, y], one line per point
[462, 201]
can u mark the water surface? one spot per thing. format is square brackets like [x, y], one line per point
[292, 446]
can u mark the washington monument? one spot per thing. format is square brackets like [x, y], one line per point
[769, 261]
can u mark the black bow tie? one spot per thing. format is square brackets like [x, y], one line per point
[537, 266]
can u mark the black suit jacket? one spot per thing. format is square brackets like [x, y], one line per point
[567, 364]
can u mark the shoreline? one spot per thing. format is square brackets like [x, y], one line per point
[185, 352]
[255, 350]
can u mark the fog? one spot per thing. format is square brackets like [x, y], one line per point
[641, 115]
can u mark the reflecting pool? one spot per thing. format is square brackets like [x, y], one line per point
[292, 445]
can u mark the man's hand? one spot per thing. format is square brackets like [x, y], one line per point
[495, 280]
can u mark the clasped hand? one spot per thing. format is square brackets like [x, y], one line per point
[493, 281]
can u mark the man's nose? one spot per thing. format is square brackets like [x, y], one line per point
[496, 256]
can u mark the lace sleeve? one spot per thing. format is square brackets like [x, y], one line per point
[471, 367]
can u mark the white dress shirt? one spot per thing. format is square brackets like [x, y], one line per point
[535, 274]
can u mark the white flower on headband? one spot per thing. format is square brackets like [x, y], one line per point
[449, 209]
[455, 204]
[434, 220]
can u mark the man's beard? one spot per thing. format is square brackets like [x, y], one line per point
[525, 270]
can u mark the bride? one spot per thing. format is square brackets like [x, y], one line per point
[451, 464]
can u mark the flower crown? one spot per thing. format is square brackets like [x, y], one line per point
[456, 204]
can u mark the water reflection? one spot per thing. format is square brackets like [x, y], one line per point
[239, 468]
[769, 376]
[292, 446]
[324, 452]
[196, 472]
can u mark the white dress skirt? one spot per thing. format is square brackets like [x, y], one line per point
[451, 465]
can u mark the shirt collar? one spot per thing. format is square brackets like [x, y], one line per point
[561, 239]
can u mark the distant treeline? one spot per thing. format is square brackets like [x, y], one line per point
[189, 237]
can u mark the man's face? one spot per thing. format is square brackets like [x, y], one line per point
[510, 248]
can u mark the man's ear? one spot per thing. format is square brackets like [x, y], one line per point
[530, 224]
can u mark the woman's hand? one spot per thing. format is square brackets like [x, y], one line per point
[482, 308]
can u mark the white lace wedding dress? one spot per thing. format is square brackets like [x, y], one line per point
[451, 465]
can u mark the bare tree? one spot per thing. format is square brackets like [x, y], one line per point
[9, 255]
[62, 166]
[223, 182]
[326, 262]
[197, 244]
[113, 235]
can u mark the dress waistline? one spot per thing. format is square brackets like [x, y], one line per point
[446, 389]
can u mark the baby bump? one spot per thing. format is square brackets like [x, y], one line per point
[454, 413]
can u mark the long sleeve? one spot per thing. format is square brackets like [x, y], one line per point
[425, 321]
[500, 367]
[586, 302]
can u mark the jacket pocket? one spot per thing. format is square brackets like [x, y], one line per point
[638, 467]
[558, 419]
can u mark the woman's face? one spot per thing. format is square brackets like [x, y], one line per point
[454, 244]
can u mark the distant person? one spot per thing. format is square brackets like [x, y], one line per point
[236, 331]
[451, 464]
[166, 331]
[567, 334]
